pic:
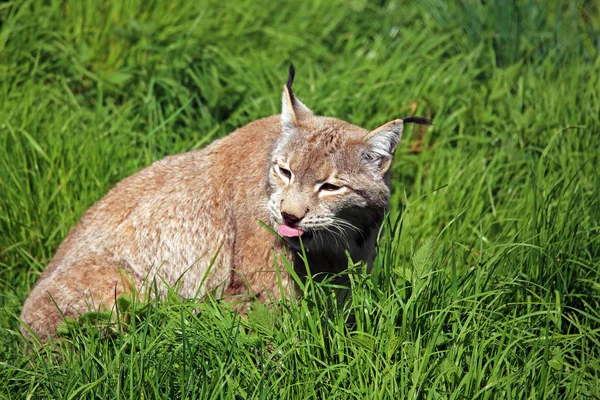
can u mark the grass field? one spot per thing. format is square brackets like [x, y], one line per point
[487, 282]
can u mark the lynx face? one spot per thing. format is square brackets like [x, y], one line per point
[328, 179]
[322, 188]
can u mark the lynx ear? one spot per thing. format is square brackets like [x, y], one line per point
[380, 144]
[292, 109]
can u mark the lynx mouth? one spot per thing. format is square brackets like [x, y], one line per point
[288, 231]
[294, 236]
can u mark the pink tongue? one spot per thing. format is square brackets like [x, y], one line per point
[288, 231]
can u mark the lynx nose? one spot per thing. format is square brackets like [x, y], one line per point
[290, 219]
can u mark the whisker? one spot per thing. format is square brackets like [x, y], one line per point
[349, 225]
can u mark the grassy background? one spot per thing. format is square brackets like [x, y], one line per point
[487, 283]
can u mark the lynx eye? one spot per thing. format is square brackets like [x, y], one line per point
[286, 173]
[329, 187]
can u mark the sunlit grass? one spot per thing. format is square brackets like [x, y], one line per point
[487, 280]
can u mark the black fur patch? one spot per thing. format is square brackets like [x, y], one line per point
[416, 120]
[291, 75]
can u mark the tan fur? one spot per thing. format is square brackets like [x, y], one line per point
[172, 219]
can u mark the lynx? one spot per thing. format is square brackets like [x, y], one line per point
[194, 219]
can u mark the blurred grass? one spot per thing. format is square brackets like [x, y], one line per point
[487, 282]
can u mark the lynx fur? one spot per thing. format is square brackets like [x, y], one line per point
[193, 219]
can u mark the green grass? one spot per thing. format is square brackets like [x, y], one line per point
[487, 283]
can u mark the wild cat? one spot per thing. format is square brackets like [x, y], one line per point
[194, 219]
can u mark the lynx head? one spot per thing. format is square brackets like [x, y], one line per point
[328, 179]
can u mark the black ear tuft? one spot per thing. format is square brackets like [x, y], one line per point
[417, 120]
[290, 81]
[293, 112]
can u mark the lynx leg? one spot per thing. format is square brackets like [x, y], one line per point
[262, 286]
[87, 285]
[264, 278]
